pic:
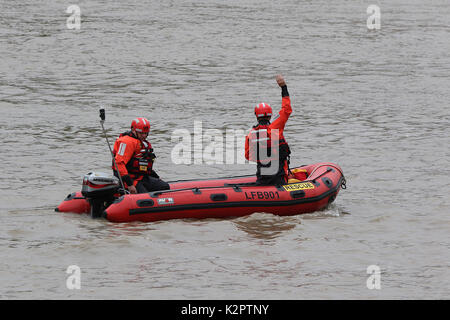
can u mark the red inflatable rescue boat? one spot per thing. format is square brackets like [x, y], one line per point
[310, 188]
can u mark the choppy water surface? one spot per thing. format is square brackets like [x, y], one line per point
[376, 102]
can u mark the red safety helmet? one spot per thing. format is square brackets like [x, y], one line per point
[141, 125]
[263, 110]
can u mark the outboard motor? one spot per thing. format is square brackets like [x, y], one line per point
[99, 189]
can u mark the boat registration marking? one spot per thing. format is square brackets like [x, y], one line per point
[298, 186]
[165, 201]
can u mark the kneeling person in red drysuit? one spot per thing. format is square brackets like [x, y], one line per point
[134, 157]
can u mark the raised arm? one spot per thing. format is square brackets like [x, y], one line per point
[286, 109]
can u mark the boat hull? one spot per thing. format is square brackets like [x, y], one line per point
[223, 198]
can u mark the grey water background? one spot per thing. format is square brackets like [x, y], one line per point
[376, 102]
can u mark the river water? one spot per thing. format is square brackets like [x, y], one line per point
[374, 101]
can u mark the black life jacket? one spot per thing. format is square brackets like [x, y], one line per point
[261, 143]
